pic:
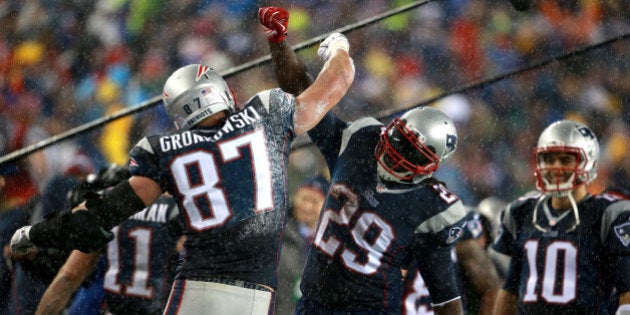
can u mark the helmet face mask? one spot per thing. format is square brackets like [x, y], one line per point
[566, 158]
[412, 147]
[403, 154]
[195, 92]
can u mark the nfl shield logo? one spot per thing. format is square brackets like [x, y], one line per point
[623, 233]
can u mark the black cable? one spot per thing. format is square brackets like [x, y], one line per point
[485, 82]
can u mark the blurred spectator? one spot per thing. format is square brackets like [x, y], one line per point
[76, 48]
[299, 231]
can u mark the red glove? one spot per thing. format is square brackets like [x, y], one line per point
[274, 21]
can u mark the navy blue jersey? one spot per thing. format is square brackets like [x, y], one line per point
[231, 186]
[556, 270]
[138, 275]
[368, 231]
[416, 299]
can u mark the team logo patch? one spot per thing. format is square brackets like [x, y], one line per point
[453, 234]
[201, 70]
[623, 233]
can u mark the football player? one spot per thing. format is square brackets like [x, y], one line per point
[226, 166]
[138, 270]
[570, 250]
[383, 209]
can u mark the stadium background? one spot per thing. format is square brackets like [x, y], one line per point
[66, 63]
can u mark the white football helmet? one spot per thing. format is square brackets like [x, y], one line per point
[412, 147]
[570, 137]
[195, 92]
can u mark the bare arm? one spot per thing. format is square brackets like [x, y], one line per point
[146, 189]
[291, 73]
[505, 303]
[327, 90]
[68, 279]
[480, 270]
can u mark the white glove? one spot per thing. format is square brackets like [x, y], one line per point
[20, 242]
[624, 309]
[333, 42]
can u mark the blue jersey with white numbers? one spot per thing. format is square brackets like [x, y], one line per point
[368, 231]
[231, 186]
[563, 271]
[138, 275]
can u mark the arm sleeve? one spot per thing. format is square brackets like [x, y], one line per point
[438, 271]
[616, 236]
[504, 243]
[327, 135]
[512, 278]
[88, 230]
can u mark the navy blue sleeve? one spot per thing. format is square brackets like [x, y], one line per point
[438, 271]
[327, 136]
[513, 276]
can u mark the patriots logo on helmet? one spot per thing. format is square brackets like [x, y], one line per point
[201, 70]
[623, 233]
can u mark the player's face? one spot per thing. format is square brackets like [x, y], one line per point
[559, 166]
[307, 206]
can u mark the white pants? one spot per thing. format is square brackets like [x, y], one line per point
[200, 297]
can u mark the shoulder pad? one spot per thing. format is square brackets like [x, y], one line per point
[444, 219]
[145, 145]
[354, 127]
[265, 96]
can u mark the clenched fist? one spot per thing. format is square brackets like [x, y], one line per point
[274, 21]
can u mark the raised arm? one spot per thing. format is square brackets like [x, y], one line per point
[329, 87]
[291, 73]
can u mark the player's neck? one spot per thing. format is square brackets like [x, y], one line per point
[561, 204]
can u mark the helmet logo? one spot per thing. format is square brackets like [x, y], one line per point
[201, 70]
[586, 132]
[451, 142]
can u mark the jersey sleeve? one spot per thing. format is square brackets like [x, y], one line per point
[615, 235]
[505, 241]
[438, 270]
[447, 226]
[280, 107]
[327, 135]
[513, 276]
[144, 162]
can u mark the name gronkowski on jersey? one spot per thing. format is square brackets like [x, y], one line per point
[138, 275]
[230, 185]
[368, 232]
[564, 271]
[416, 298]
